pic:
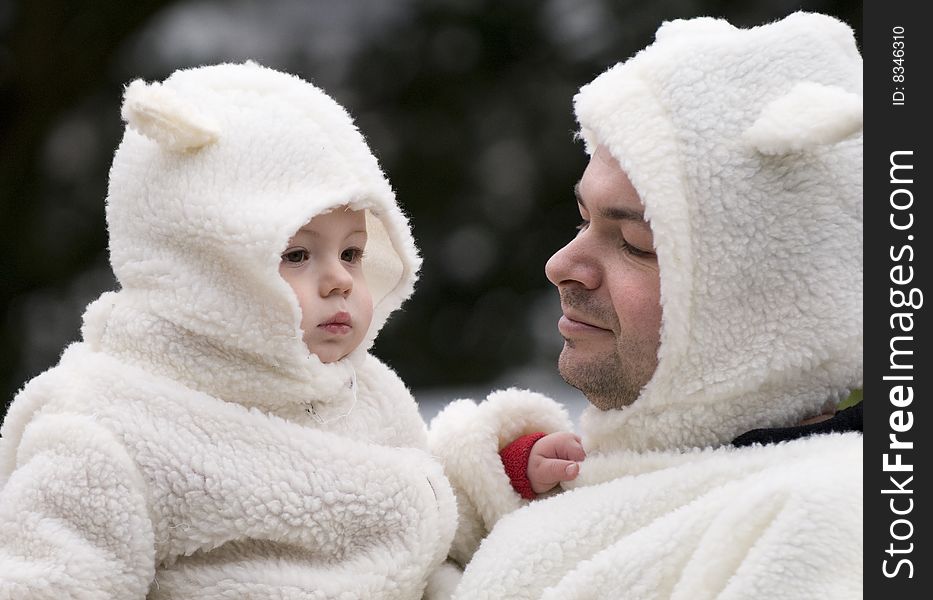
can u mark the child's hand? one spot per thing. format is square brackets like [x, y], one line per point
[554, 459]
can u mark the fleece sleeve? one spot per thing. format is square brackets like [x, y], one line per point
[782, 522]
[73, 517]
[467, 438]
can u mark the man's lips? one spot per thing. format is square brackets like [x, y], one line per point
[338, 324]
[573, 324]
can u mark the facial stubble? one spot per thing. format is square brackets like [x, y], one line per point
[613, 378]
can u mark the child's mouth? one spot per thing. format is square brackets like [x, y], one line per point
[338, 324]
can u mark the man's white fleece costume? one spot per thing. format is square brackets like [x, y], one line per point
[745, 147]
[190, 446]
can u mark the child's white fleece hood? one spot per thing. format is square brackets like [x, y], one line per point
[745, 147]
[191, 446]
[218, 168]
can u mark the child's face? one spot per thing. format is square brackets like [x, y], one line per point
[323, 264]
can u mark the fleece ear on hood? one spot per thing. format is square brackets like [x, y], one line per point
[745, 147]
[219, 166]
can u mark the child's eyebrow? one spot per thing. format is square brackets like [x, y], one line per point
[315, 233]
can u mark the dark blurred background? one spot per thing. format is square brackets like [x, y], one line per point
[467, 104]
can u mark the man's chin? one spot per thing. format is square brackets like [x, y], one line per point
[597, 376]
[595, 400]
[575, 372]
[586, 355]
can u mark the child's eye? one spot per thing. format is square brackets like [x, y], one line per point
[295, 256]
[352, 255]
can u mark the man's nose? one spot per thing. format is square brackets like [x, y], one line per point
[573, 263]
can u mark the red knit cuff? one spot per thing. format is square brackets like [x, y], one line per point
[515, 460]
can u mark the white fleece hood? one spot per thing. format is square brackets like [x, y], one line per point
[745, 147]
[218, 168]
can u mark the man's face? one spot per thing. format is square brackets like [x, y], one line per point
[609, 290]
[323, 264]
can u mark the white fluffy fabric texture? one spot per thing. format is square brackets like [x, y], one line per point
[809, 116]
[779, 522]
[467, 437]
[443, 582]
[190, 446]
[755, 213]
[160, 115]
[756, 206]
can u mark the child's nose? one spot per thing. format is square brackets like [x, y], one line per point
[336, 280]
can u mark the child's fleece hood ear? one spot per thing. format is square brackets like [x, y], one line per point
[745, 147]
[218, 168]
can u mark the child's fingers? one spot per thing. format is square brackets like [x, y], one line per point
[562, 444]
[567, 446]
[554, 470]
[571, 471]
[572, 450]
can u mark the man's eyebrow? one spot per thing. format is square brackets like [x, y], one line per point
[613, 213]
